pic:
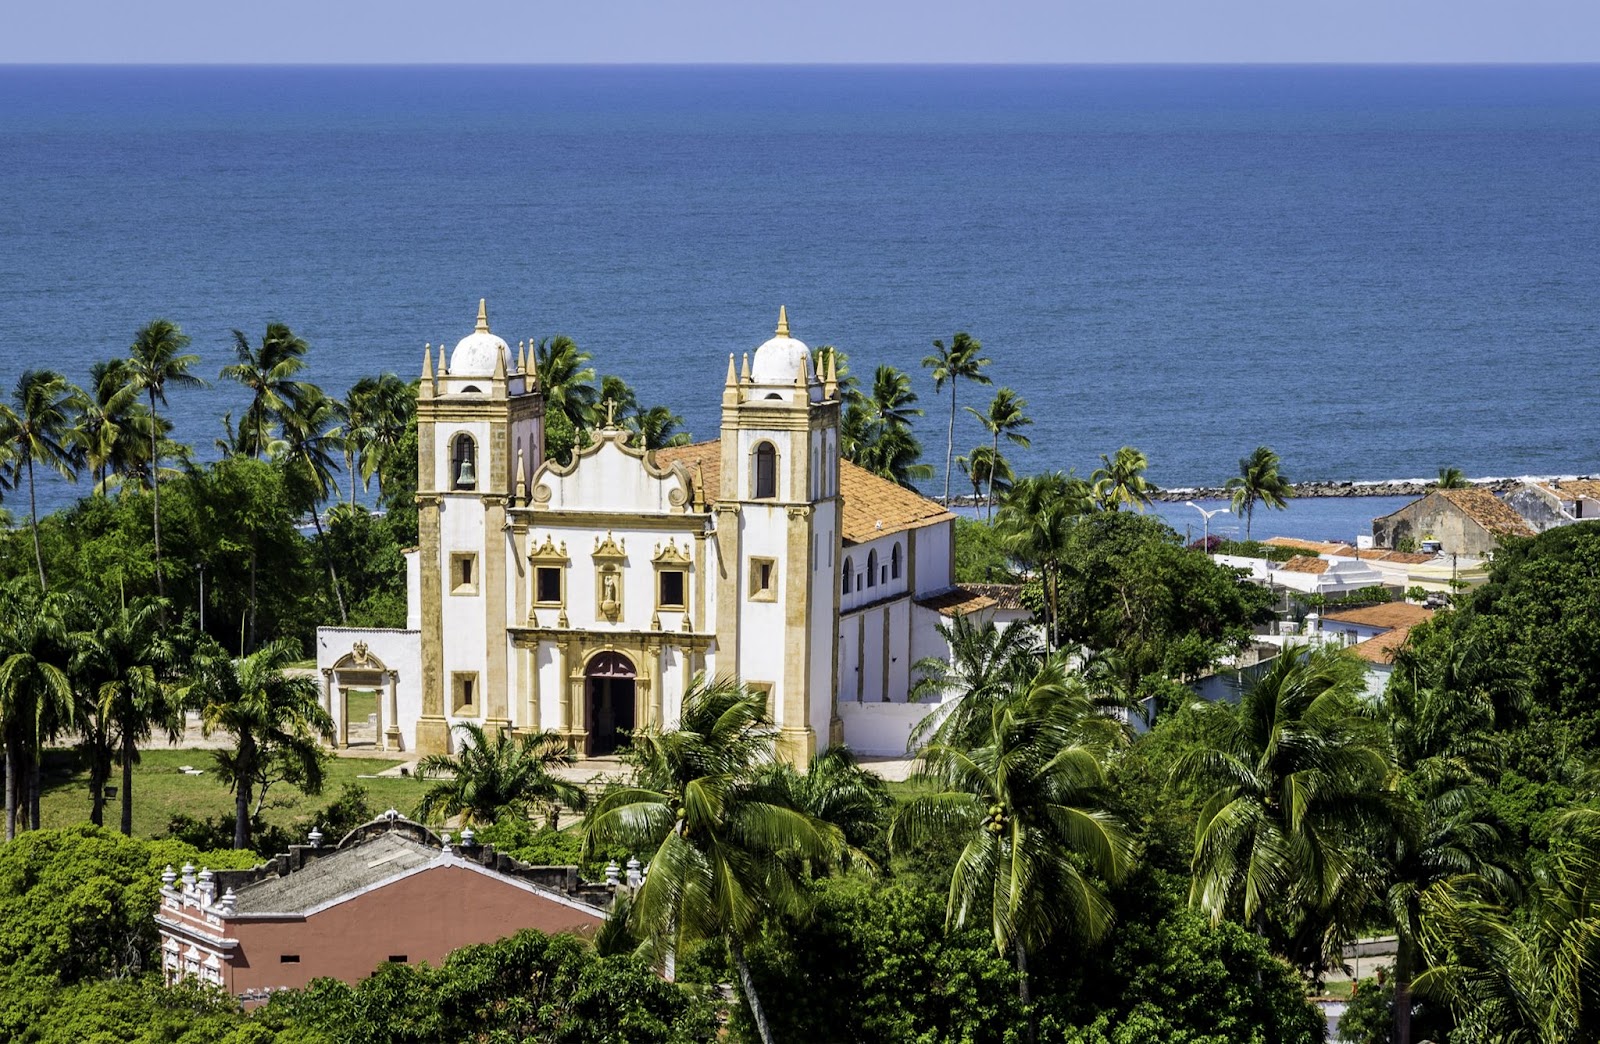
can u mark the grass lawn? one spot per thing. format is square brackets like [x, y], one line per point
[160, 790]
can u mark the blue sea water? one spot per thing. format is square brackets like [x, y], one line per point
[1376, 270]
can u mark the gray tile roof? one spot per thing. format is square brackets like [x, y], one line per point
[330, 877]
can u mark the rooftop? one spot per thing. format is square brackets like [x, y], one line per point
[1574, 489]
[873, 507]
[323, 880]
[1384, 647]
[1305, 564]
[1389, 614]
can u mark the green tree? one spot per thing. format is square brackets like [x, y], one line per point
[656, 427]
[1259, 481]
[835, 789]
[566, 380]
[274, 720]
[112, 426]
[35, 652]
[1004, 418]
[1291, 775]
[123, 656]
[1025, 792]
[1120, 480]
[268, 373]
[1035, 522]
[727, 850]
[36, 426]
[961, 361]
[380, 409]
[986, 664]
[312, 434]
[158, 361]
[497, 775]
[1451, 478]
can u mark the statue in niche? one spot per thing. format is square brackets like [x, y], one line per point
[610, 600]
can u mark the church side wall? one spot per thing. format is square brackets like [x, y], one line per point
[935, 557]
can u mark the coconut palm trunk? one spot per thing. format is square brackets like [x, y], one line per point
[333, 577]
[129, 752]
[747, 982]
[155, 489]
[950, 443]
[33, 513]
[1404, 963]
[13, 773]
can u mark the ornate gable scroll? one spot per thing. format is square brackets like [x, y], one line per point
[671, 554]
[548, 552]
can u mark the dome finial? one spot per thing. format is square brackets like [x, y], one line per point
[783, 322]
[483, 315]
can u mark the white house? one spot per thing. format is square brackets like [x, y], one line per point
[584, 596]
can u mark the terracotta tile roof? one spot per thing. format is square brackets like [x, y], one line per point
[1006, 596]
[1574, 489]
[958, 601]
[1305, 564]
[1383, 648]
[1389, 614]
[873, 507]
[1316, 547]
[1488, 510]
[1378, 554]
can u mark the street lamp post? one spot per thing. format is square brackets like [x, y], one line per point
[1206, 540]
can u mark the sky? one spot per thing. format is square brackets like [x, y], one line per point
[797, 31]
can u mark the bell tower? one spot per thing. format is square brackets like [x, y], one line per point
[777, 528]
[480, 433]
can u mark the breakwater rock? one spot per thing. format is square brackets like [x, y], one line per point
[1394, 488]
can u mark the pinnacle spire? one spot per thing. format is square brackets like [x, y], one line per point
[427, 361]
[832, 387]
[744, 369]
[732, 376]
[483, 316]
[783, 322]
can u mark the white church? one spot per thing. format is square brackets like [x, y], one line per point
[584, 597]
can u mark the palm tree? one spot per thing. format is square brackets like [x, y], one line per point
[1290, 775]
[158, 360]
[959, 362]
[616, 391]
[1440, 842]
[1120, 480]
[311, 435]
[35, 652]
[500, 774]
[655, 428]
[1035, 522]
[893, 403]
[1026, 790]
[985, 468]
[566, 380]
[891, 453]
[1004, 418]
[122, 656]
[37, 426]
[275, 721]
[379, 410]
[835, 789]
[268, 372]
[111, 423]
[986, 664]
[1451, 478]
[1259, 480]
[728, 850]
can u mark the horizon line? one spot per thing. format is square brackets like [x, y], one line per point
[884, 64]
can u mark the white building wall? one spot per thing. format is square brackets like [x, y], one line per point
[934, 547]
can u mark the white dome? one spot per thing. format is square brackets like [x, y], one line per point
[782, 359]
[476, 353]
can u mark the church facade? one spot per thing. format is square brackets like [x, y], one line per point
[584, 596]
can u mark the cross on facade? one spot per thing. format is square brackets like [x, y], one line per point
[611, 412]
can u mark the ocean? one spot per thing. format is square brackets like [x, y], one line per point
[1379, 271]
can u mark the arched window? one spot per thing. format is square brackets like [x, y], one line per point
[766, 467]
[894, 563]
[849, 575]
[463, 463]
[872, 569]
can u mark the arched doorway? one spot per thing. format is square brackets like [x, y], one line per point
[609, 693]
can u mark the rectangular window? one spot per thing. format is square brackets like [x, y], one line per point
[463, 573]
[547, 585]
[672, 589]
[464, 694]
[289, 958]
[763, 579]
[397, 958]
